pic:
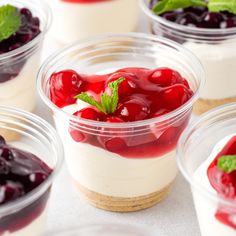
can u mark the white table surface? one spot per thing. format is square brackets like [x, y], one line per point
[174, 216]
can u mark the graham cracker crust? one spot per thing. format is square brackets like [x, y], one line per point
[203, 105]
[119, 204]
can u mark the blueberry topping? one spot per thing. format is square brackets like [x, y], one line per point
[20, 172]
[29, 29]
[199, 17]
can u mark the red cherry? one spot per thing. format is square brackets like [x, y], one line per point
[64, 86]
[165, 77]
[134, 109]
[126, 87]
[175, 96]
[89, 113]
[226, 216]
[224, 184]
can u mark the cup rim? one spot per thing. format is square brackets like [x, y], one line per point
[180, 153]
[48, 18]
[187, 29]
[137, 36]
[30, 197]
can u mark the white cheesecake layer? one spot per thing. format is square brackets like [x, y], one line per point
[206, 208]
[110, 174]
[20, 91]
[218, 61]
[35, 228]
[73, 21]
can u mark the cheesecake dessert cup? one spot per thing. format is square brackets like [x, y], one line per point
[78, 19]
[214, 46]
[104, 230]
[20, 53]
[117, 165]
[205, 151]
[28, 167]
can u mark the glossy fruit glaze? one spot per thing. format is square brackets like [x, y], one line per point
[224, 184]
[29, 29]
[144, 94]
[20, 173]
[199, 17]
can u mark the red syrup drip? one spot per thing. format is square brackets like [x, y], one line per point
[144, 94]
[225, 185]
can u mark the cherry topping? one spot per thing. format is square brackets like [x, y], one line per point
[133, 109]
[224, 184]
[89, 113]
[64, 86]
[144, 94]
[127, 87]
[175, 96]
[165, 77]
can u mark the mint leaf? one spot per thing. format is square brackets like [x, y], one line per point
[10, 21]
[222, 5]
[227, 163]
[171, 5]
[108, 103]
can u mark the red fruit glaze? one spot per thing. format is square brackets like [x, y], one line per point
[144, 94]
[64, 85]
[85, 113]
[224, 184]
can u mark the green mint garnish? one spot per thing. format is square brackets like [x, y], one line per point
[222, 5]
[171, 5]
[108, 103]
[213, 5]
[10, 21]
[227, 163]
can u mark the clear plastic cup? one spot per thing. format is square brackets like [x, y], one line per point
[195, 146]
[82, 19]
[26, 216]
[18, 68]
[140, 171]
[216, 49]
[104, 230]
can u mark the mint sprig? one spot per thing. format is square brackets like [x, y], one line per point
[163, 6]
[227, 163]
[10, 21]
[171, 5]
[222, 5]
[108, 103]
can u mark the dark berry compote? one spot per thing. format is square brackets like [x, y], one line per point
[20, 173]
[25, 28]
[124, 96]
[197, 16]
[222, 177]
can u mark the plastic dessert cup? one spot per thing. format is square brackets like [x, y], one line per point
[216, 49]
[26, 215]
[18, 68]
[85, 18]
[104, 230]
[137, 176]
[215, 214]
